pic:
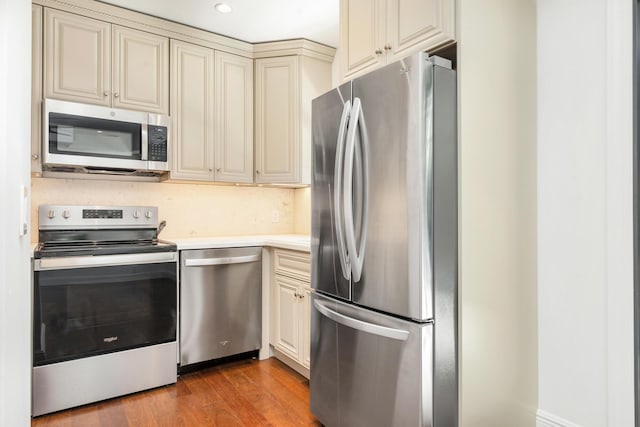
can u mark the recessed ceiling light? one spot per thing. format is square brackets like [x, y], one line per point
[223, 8]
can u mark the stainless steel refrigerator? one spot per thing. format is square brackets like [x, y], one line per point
[384, 248]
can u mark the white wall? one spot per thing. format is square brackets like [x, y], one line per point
[497, 160]
[15, 294]
[585, 298]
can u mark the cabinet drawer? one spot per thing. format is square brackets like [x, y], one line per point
[291, 263]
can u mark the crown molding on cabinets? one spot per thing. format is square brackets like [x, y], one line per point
[151, 24]
[294, 47]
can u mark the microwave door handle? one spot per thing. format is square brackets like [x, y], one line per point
[338, 209]
[144, 142]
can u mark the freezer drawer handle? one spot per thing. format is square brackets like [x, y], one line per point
[383, 331]
[220, 261]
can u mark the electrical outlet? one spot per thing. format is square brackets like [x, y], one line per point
[275, 216]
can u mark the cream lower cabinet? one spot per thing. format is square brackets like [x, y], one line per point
[91, 61]
[377, 32]
[290, 309]
[212, 105]
[284, 89]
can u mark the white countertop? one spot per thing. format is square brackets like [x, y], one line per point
[296, 242]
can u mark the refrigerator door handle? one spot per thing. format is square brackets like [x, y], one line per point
[337, 196]
[370, 328]
[356, 255]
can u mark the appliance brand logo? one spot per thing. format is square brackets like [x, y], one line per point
[110, 339]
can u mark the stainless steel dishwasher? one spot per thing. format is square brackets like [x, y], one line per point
[220, 303]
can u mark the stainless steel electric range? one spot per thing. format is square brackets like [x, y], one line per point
[104, 305]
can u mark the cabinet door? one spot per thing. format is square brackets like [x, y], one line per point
[414, 25]
[277, 120]
[362, 38]
[305, 327]
[287, 308]
[234, 118]
[77, 58]
[192, 106]
[140, 70]
[36, 88]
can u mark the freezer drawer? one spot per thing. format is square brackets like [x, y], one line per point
[220, 303]
[369, 369]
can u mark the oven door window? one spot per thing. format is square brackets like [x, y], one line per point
[85, 136]
[90, 311]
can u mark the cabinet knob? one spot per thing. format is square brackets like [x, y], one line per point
[378, 51]
[218, 170]
[115, 95]
[258, 172]
[210, 170]
[35, 156]
[387, 46]
[106, 93]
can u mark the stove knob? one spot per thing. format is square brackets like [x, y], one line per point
[148, 214]
[51, 214]
[66, 214]
[136, 214]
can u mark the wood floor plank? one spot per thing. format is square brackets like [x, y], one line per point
[277, 383]
[245, 393]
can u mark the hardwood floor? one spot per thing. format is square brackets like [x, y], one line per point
[241, 393]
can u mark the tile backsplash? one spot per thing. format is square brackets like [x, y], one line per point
[191, 210]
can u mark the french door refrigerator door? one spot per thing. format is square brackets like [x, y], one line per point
[392, 126]
[330, 272]
[369, 369]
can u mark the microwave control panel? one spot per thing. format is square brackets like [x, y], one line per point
[157, 143]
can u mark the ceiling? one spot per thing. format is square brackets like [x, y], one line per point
[250, 20]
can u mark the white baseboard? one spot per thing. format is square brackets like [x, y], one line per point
[293, 364]
[545, 419]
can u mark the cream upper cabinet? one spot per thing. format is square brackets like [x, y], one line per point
[361, 35]
[91, 61]
[192, 104]
[140, 70]
[212, 105]
[277, 120]
[234, 118]
[376, 32]
[284, 89]
[77, 58]
[36, 88]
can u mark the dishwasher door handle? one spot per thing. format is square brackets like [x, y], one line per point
[220, 261]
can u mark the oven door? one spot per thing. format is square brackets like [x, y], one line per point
[90, 305]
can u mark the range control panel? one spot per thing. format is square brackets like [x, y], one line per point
[67, 217]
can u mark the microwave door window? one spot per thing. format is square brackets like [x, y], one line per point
[84, 136]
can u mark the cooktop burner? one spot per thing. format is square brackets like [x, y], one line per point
[66, 230]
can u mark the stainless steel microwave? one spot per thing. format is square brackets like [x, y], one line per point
[102, 138]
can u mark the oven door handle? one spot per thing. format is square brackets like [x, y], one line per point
[61, 263]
